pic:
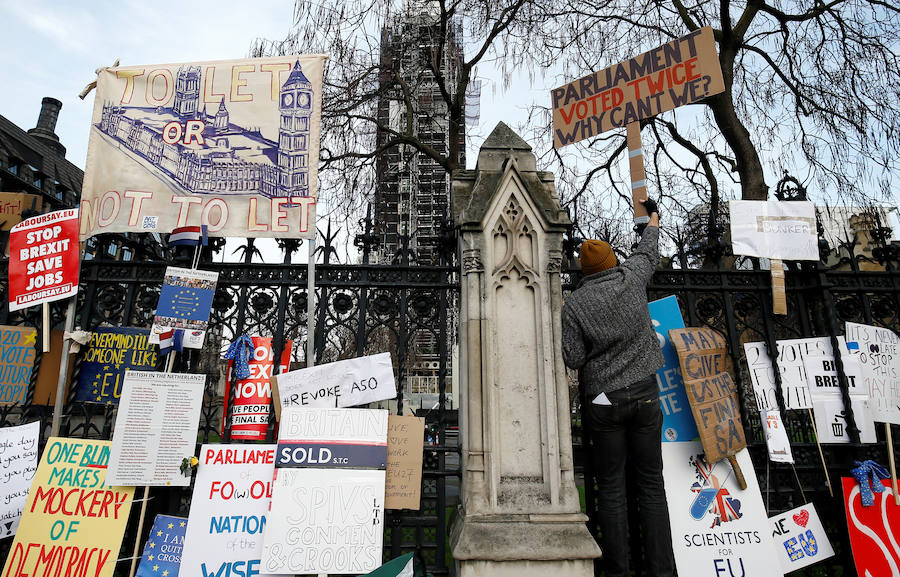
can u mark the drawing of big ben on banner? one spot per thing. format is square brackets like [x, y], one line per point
[232, 145]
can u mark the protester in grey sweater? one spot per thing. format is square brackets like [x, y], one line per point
[608, 336]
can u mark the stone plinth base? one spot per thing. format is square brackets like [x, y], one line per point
[523, 546]
[577, 568]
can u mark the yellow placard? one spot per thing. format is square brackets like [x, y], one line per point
[73, 523]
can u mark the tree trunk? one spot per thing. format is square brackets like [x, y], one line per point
[749, 167]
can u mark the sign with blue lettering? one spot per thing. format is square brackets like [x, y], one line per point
[678, 421]
[800, 538]
[232, 493]
[162, 551]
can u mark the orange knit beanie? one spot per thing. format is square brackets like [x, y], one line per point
[596, 256]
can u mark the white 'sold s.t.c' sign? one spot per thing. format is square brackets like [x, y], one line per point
[232, 145]
[681, 72]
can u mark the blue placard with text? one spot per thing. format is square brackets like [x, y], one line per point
[162, 551]
[678, 421]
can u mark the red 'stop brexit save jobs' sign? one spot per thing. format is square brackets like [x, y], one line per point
[681, 72]
[43, 259]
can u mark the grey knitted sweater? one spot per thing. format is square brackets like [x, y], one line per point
[606, 329]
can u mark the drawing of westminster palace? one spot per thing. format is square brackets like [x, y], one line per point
[232, 159]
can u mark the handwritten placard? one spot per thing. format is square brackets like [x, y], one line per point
[681, 72]
[232, 493]
[717, 414]
[678, 422]
[16, 363]
[403, 483]
[800, 538]
[878, 351]
[325, 516]
[156, 428]
[829, 409]
[112, 351]
[347, 383]
[164, 547]
[72, 517]
[13, 203]
[18, 464]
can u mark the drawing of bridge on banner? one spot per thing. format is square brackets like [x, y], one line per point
[205, 153]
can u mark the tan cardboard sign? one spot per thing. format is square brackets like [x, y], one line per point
[403, 485]
[681, 72]
[712, 394]
[12, 204]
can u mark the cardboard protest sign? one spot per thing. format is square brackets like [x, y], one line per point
[403, 481]
[347, 383]
[16, 363]
[878, 351]
[232, 493]
[72, 518]
[253, 396]
[678, 422]
[233, 145]
[702, 353]
[156, 428]
[48, 372]
[777, 442]
[164, 548]
[684, 71]
[774, 229]
[716, 526]
[873, 530]
[19, 459]
[800, 538]
[13, 203]
[338, 438]
[831, 422]
[326, 516]
[110, 352]
[43, 259]
[185, 299]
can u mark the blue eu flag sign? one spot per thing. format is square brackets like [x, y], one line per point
[186, 298]
[162, 551]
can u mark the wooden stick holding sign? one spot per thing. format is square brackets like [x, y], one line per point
[684, 71]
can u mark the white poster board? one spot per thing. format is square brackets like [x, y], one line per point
[878, 351]
[777, 442]
[828, 406]
[232, 493]
[347, 383]
[18, 464]
[326, 516]
[791, 353]
[716, 527]
[774, 229]
[800, 538]
[156, 428]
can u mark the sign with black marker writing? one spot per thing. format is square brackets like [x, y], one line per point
[347, 383]
[878, 351]
[403, 485]
[18, 459]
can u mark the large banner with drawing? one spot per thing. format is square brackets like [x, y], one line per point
[230, 144]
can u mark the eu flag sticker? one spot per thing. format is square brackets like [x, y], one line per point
[162, 551]
[186, 298]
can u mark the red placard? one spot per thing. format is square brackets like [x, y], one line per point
[250, 416]
[874, 530]
[43, 259]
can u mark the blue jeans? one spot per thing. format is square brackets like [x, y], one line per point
[628, 431]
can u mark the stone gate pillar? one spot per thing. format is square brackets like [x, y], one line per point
[520, 511]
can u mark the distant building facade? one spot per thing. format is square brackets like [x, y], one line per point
[412, 193]
[34, 161]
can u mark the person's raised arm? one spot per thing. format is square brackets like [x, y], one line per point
[645, 258]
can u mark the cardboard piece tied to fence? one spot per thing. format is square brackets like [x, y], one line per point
[712, 394]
